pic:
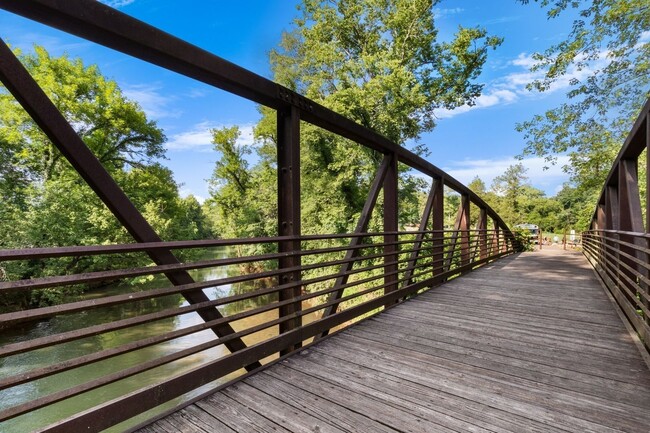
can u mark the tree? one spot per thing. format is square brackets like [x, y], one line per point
[509, 187]
[605, 59]
[243, 201]
[477, 186]
[378, 63]
[114, 128]
[45, 203]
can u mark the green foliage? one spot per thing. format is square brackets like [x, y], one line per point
[518, 202]
[609, 49]
[378, 63]
[114, 128]
[510, 187]
[522, 239]
[44, 201]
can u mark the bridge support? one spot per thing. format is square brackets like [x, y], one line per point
[390, 226]
[288, 154]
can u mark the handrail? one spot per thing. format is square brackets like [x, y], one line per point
[291, 304]
[618, 242]
[363, 295]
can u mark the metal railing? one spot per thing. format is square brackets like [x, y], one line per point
[253, 313]
[617, 242]
[299, 289]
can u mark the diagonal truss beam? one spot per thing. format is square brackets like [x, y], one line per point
[362, 225]
[460, 230]
[36, 103]
[424, 222]
[481, 244]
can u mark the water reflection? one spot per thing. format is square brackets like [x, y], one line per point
[21, 363]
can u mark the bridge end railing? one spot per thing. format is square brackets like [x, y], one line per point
[618, 243]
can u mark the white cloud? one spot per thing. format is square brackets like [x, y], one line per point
[511, 87]
[524, 60]
[645, 36]
[495, 97]
[501, 20]
[117, 3]
[440, 12]
[154, 104]
[199, 138]
[56, 46]
[547, 180]
[185, 192]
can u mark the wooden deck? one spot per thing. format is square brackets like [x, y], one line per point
[530, 343]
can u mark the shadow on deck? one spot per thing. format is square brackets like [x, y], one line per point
[529, 343]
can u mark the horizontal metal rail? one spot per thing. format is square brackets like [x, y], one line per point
[365, 288]
[618, 242]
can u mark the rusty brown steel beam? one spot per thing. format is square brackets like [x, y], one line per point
[362, 225]
[288, 172]
[438, 225]
[635, 142]
[391, 224]
[481, 228]
[424, 222]
[40, 108]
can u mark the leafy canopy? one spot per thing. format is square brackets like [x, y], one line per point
[44, 202]
[377, 62]
[606, 60]
[380, 63]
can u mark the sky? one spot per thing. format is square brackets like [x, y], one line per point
[467, 142]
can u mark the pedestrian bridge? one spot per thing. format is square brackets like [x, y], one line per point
[445, 328]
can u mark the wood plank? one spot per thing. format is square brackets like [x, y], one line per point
[558, 337]
[351, 377]
[273, 408]
[435, 385]
[590, 386]
[237, 416]
[378, 403]
[515, 346]
[549, 356]
[512, 395]
[549, 341]
[531, 364]
[322, 401]
[433, 305]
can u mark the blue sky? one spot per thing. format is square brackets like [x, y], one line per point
[480, 140]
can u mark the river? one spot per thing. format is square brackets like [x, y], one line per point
[52, 355]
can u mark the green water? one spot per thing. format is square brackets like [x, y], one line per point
[21, 363]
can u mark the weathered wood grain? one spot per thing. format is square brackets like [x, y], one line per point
[530, 343]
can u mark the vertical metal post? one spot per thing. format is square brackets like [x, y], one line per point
[464, 231]
[600, 218]
[288, 154]
[630, 219]
[390, 225]
[496, 242]
[482, 233]
[438, 226]
[601, 224]
[612, 220]
[647, 208]
[419, 237]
